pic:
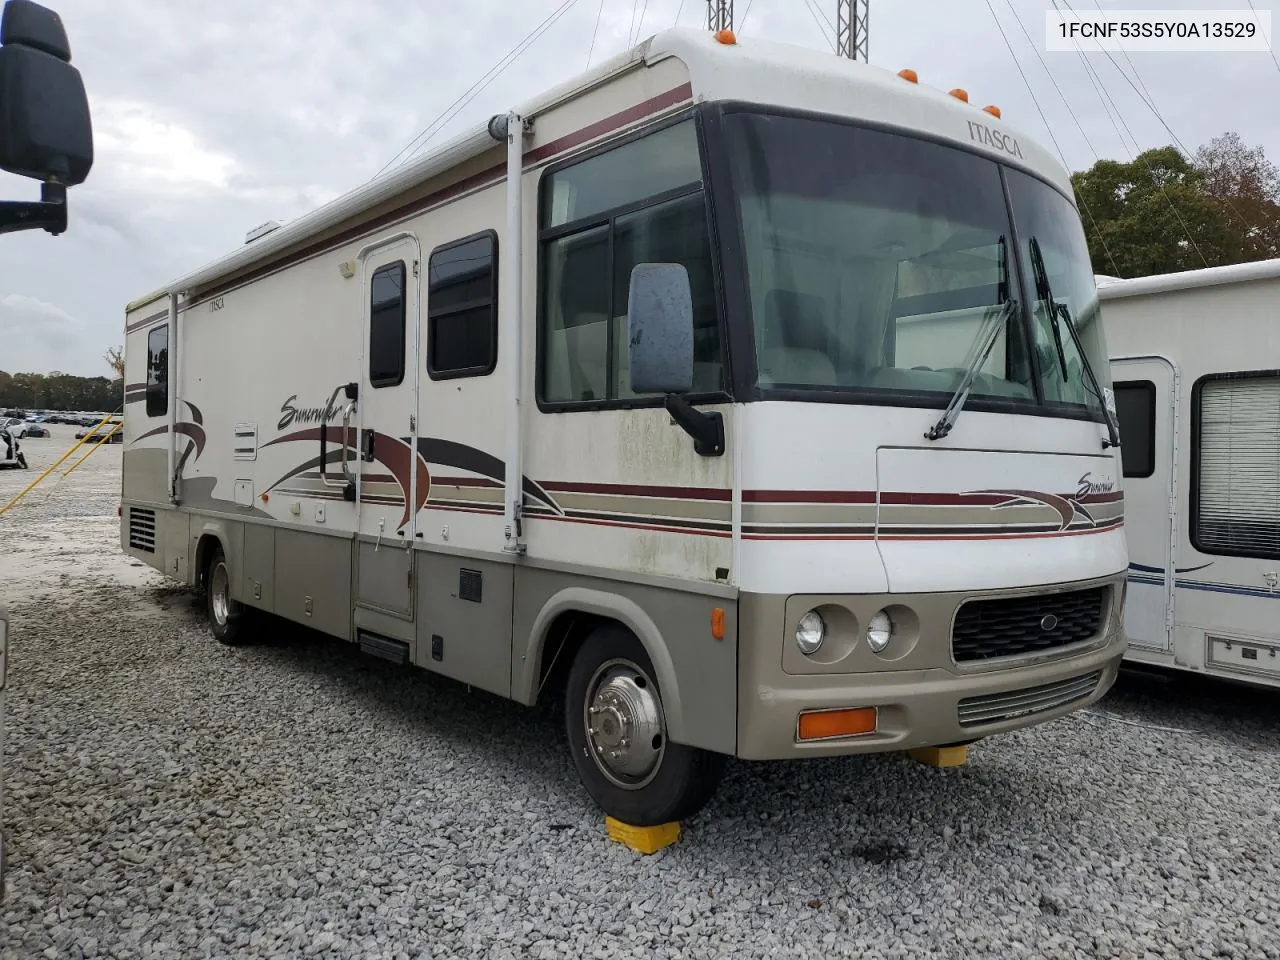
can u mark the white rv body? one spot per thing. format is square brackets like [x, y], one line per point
[1195, 357]
[442, 555]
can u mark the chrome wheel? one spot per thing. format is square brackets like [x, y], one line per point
[626, 731]
[220, 594]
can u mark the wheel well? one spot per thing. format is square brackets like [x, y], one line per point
[204, 554]
[563, 638]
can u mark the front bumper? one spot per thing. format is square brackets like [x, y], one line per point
[928, 706]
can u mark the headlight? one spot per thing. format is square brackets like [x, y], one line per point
[810, 632]
[879, 631]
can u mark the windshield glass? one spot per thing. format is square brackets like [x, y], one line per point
[872, 258]
[1045, 218]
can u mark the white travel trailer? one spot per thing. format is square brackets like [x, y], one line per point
[714, 392]
[1196, 361]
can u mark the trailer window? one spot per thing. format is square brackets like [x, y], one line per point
[386, 325]
[158, 371]
[462, 308]
[639, 202]
[1136, 411]
[1236, 465]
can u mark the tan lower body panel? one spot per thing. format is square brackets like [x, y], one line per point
[923, 699]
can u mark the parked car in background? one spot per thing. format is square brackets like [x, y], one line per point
[35, 430]
[101, 435]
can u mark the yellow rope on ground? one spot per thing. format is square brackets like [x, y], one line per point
[57, 463]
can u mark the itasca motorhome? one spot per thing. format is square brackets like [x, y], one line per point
[750, 400]
[1196, 359]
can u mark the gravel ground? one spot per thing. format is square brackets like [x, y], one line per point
[170, 798]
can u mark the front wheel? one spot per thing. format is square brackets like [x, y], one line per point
[226, 616]
[617, 735]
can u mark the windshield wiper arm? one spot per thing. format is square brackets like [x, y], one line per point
[1060, 315]
[992, 321]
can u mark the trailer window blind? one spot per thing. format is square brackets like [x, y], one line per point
[386, 325]
[158, 371]
[1136, 411]
[462, 308]
[1238, 467]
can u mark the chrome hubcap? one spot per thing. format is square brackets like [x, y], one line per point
[218, 593]
[626, 731]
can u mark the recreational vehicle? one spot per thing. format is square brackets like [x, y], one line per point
[1196, 360]
[754, 402]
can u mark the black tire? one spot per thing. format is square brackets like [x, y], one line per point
[681, 780]
[226, 616]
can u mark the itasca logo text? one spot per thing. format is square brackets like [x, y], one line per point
[289, 414]
[981, 133]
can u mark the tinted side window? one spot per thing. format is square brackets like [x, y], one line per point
[462, 308]
[639, 202]
[386, 325]
[158, 371]
[1136, 411]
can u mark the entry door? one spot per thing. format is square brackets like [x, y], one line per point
[1146, 405]
[388, 480]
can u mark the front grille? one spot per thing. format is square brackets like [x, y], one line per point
[996, 707]
[1009, 626]
[142, 529]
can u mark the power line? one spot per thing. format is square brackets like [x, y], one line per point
[1150, 104]
[476, 88]
[1080, 127]
[1045, 120]
[640, 22]
[745, 13]
[595, 33]
[814, 13]
[631, 26]
[1270, 49]
[679, 10]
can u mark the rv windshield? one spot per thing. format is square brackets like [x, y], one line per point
[872, 259]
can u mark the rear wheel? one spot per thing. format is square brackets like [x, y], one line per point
[618, 736]
[226, 616]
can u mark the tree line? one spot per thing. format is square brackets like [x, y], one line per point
[1165, 211]
[60, 391]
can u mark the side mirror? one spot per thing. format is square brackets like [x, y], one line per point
[660, 321]
[45, 130]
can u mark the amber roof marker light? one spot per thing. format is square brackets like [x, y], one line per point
[726, 37]
[909, 75]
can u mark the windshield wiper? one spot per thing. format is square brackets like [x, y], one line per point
[992, 321]
[1059, 316]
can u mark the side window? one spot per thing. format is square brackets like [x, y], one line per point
[639, 202]
[386, 325]
[158, 371]
[462, 308]
[1136, 411]
[1236, 464]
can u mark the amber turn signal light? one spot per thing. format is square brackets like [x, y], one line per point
[828, 724]
[717, 623]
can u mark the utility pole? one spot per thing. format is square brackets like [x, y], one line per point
[719, 15]
[851, 29]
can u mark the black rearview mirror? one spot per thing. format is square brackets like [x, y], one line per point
[660, 321]
[45, 130]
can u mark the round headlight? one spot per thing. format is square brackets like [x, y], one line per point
[810, 632]
[879, 631]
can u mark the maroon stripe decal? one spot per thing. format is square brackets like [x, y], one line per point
[146, 321]
[635, 490]
[465, 482]
[609, 124]
[485, 177]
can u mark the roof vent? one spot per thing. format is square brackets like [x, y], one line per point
[261, 230]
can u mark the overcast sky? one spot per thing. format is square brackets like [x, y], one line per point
[212, 118]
